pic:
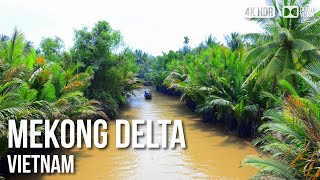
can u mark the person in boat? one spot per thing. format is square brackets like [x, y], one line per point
[147, 94]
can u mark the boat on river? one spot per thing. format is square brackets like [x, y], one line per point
[147, 94]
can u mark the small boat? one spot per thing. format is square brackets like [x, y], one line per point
[147, 94]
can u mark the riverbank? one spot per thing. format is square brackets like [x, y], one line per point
[210, 152]
[208, 117]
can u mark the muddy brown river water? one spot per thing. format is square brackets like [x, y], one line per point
[210, 153]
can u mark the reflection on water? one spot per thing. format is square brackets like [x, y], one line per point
[210, 154]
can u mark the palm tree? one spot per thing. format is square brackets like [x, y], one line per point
[12, 49]
[291, 142]
[4, 38]
[233, 40]
[210, 41]
[291, 138]
[285, 44]
[31, 89]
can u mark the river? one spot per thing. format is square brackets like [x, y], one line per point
[210, 153]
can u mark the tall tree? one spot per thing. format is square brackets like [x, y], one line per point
[233, 40]
[52, 48]
[96, 49]
[285, 44]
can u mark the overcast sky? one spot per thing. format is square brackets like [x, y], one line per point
[154, 26]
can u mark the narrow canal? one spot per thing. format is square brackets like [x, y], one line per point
[210, 153]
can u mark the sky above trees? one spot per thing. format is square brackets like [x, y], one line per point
[154, 26]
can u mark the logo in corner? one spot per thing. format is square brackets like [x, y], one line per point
[290, 11]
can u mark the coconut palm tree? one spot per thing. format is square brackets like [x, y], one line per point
[31, 88]
[291, 138]
[233, 40]
[285, 44]
[291, 142]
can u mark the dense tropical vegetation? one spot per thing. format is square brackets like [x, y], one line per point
[50, 83]
[264, 86]
[260, 85]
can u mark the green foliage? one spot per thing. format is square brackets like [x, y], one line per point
[95, 47]
[212, 79]
[144, 62]
[48, 92]
[286, 44]
[288, 53]
[295, 142]
[51, 48]
[269, 79]
[95, 50]
[274, 75]
[31, 87]
[233, 41]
